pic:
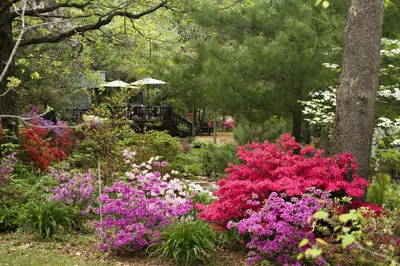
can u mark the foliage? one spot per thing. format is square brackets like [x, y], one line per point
[248, 132]
[218, 156]
[269, 167]
[48, 218]
[135, 209]
[187, 243]
[280, 224]
[384, 192]
[158, 143]
[377, 189]
[365, 239]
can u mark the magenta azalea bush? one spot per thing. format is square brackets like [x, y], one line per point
[133, 210]
[277, 228]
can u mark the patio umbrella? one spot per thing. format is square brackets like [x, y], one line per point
[148, 81]
[115, 84]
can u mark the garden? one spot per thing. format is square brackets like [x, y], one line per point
[274, 140]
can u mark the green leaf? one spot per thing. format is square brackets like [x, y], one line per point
[347, 240]
[321, 215]
[321, 241]
[318, 2]
[303, 242]
[313, 252]
[300, 256]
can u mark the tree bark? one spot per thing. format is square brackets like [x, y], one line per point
[359, 81]
[8, 103]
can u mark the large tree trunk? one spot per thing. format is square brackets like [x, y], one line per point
[8, 102]
[359, 81]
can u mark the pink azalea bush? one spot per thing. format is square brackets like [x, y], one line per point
[135, 209]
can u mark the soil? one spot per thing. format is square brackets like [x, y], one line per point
[222, 137]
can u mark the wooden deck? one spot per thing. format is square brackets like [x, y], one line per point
[145, 116]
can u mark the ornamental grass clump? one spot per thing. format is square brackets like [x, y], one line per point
[135, 208]
[187, 243]
[48, 218]
[276, 167]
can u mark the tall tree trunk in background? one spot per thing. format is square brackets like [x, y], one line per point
[359, 81]
[8, 102]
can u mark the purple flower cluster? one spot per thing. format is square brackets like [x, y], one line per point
[7, 164]
[75, 190]
[135, 209]
[7, 168]
[61, 127]
[279, 226]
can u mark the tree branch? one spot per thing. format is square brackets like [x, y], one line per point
[35, 12]
[101, 22]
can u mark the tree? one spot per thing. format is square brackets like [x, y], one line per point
[54, 21]
[356, 95]
[264, 56]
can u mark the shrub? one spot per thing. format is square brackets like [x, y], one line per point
[47, 218]
[187, 243]
[76, 190]
[278, 227]
[134, 210]
[272, 167]
[42, 144]
[218, 157]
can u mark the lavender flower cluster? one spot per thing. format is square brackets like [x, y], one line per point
[7, 168]
[278, 227]
[75, 190]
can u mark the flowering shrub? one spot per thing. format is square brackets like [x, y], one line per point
[6, 169]
[75, 190]
[270, 167]
[136, 208]
[44, 144]
[228, 125]
[278, 227]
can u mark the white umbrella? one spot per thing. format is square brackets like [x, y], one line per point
[115, 84]
[148, 81]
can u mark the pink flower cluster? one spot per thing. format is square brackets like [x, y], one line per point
[135, 209]
[278, 227]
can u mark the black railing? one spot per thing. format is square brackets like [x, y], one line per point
[170, 120]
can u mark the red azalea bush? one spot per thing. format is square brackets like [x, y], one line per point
[42, 146]
[275, 167]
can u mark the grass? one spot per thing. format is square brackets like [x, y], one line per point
[18, 249]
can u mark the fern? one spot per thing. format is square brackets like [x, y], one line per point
[377, 190]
